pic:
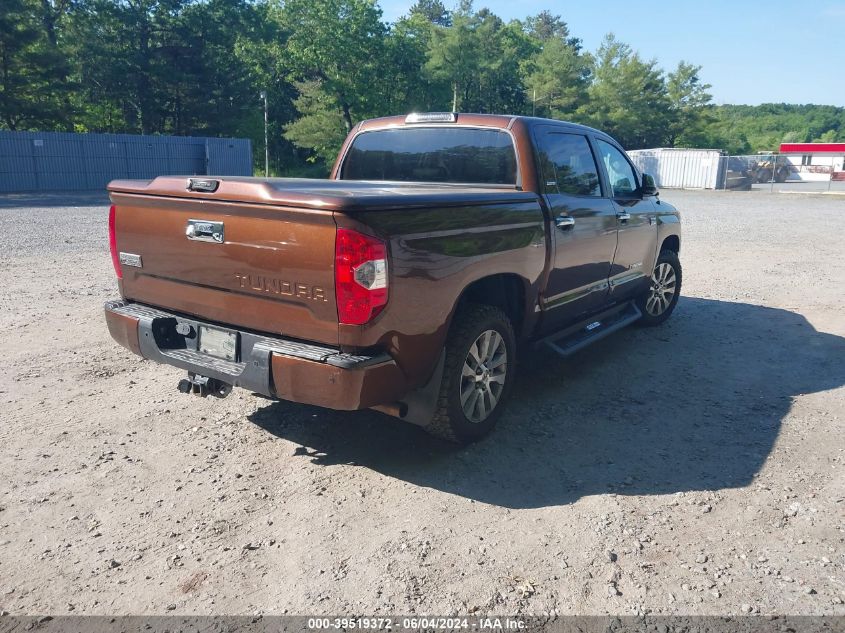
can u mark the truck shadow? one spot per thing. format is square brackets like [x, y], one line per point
[696, 404]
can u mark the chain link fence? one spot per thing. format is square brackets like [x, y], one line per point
[783, 172]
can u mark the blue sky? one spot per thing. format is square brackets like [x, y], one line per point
[751, 51]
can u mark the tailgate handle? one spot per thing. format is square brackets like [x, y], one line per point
[206, 185]
[205, 231]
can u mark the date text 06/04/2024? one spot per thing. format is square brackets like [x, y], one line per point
[416, 623]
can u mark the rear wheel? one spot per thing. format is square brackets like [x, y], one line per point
[658, 303]
[477, 374]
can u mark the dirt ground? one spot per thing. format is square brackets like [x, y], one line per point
[696, 468]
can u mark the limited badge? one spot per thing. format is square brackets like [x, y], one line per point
[131, 259]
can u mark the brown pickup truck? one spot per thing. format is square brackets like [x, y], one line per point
[441, 245]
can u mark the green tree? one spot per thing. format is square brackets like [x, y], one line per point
[405, 87]
[764, 127]
[454, 56]
[500, 87]
[321, 126]
[126, 61]
[688, 100]
[628, 97]
[198, 66]
[546, 26]
[33, 69]
[478, 59]
[432, 11]
[829, 136]
[558, 74]
[210, 91]
[261, 50]
[340, 45]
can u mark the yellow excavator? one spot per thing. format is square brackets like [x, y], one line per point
[767, 166]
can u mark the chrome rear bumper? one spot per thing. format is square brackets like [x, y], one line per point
[160, 338]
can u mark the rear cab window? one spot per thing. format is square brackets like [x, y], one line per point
[432, 154]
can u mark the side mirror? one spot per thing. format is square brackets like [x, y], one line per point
[649, 188]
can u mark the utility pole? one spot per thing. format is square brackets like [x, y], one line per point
[263, 95]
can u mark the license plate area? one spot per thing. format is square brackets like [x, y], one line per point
[218, 343]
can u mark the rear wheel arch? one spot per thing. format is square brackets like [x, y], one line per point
[505, 291]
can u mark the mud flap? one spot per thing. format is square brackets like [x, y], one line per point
[421, 403]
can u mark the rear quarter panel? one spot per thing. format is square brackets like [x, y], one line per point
[435, 254]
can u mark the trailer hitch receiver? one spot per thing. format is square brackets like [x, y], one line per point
[204, 386]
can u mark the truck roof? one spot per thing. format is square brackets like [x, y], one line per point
[501, 121]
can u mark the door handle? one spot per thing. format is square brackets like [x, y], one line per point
[623, 216]
[564, 222]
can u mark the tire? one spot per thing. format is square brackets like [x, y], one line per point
[460, 393]
[657, 304]
[764, 175]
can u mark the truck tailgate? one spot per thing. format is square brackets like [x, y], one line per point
[256, 266]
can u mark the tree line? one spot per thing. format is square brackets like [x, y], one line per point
[196, 67]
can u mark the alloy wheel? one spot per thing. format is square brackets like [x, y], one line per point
[483, 376]
[663, 288]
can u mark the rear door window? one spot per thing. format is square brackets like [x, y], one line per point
[432, 154]
[567, 165]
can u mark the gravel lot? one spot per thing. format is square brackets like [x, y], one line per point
[695, 468]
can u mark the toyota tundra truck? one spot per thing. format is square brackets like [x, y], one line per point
[442, 246]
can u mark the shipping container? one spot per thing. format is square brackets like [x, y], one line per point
[680, 168]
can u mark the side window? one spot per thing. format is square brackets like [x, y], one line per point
[623, 181]
[567, 165]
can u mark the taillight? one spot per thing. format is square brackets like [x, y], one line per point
[115, 259]
[360, 276]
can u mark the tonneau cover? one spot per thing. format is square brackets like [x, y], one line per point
[329, 195]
